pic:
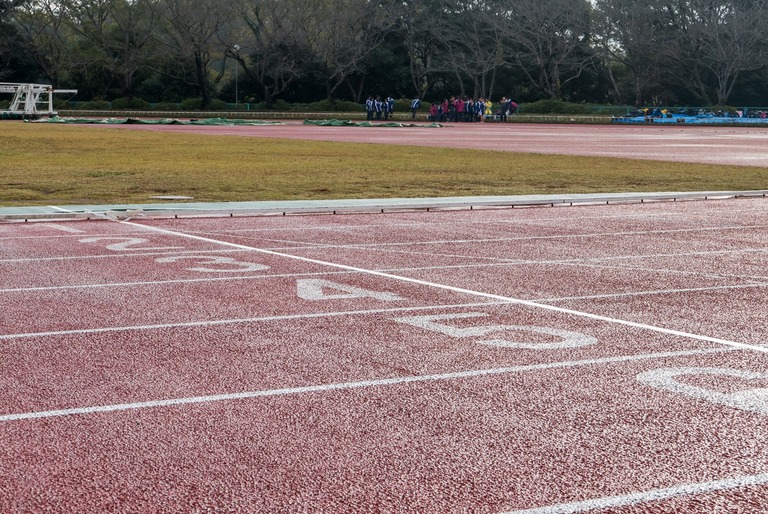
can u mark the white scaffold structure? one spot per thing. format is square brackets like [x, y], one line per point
[26, 98]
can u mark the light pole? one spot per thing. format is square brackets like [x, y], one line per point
[236, 48]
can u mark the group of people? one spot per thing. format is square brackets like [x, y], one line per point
[464, 109]
[380, 109]
[456, 109]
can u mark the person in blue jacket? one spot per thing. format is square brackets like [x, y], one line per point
[378, 106]
[390, 107]
[415, 104]
[369, 108]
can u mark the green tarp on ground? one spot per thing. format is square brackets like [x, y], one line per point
[224, 122]
[137, 121]
[348, 123]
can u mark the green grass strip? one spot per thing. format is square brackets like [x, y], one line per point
[43, 164]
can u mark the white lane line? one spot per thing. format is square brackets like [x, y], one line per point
[653, 292]
[214, 323]
[64, 228]
[585, 235]
[348, 385]
[39, 236]
[60, 209]
[669, 271]
[518, 301]
[596, 262]
[232, 321]
[401, 270]
[546, 221]
[493, 261]
[648, 496]
[167, 282]
[112, 256]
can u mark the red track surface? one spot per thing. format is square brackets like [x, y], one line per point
[715, 145]
[601, 359]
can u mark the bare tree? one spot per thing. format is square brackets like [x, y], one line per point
[44, 26]
[711, 42]
[550, 41]
[734, 42]
[625, 34]
[420, 23]
[117, 35]
[9, 44]
[277, 51]
[473, 39]
[343, 35]
[192, 35]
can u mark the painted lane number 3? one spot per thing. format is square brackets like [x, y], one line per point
[126, 244]
[215, 264]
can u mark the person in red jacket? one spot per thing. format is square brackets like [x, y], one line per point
[459, 109]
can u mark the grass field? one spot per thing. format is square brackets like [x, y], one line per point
[43, 164]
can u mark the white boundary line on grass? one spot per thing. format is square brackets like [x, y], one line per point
[508, 299]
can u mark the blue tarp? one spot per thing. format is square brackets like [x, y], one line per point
[700, 119]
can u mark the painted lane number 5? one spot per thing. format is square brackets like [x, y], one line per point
[564, 338]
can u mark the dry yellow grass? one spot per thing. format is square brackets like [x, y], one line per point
[45, 164]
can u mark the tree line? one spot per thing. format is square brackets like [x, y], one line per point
[650, 52]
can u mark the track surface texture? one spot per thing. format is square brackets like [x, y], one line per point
[539, 360]
[714, 145]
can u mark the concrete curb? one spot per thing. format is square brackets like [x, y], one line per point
[190, 209]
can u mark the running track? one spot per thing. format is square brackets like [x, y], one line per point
[746, 146]
[539, 360]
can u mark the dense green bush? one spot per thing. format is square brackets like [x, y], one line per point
[281, 105]
[191, 104]
[130, 103]
[404, 105]
[336, 106]
[165, 106]
[217, 105]
[560, 107]
[553, 107]
[94, 105]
